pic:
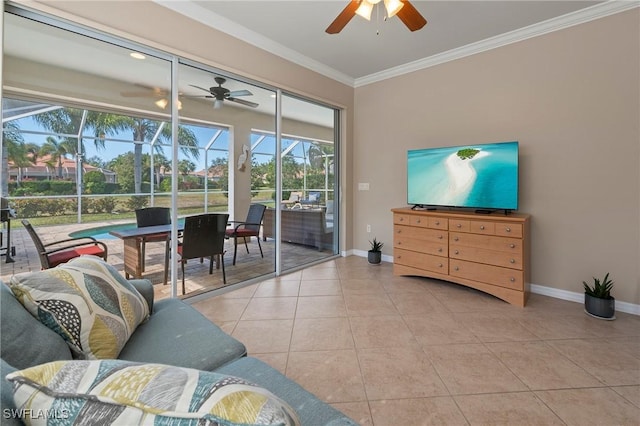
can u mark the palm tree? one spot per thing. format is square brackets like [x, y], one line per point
[58, 150]
[12, 149]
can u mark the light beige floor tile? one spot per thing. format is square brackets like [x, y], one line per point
[471, 369]
[244, 292]
[559, 327]
[265, 308]
[456, 298]
[414, 303]
[290, 276]
[540, 366]
[220, 309]
[369, 305]
[320, 288]
[630, 393]
[494, 327]
[320, 274]
[438, 329]
[389, 373]
[595, 406]
[357, 411]
[417, 411]
[518, 408]
[333, 376]
[407, 284]
[601, 358]
[275, 288]
[277, 360]
[355, 286]
[227, 326]
[361, 272]
[381, 332]
[313, 334]
[264, 336]
[321, 307]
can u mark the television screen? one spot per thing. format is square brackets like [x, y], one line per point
[483, 176]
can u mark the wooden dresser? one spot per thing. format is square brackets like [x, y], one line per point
[489, 252]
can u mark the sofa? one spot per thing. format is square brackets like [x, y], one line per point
[308, 227]
[173, 334]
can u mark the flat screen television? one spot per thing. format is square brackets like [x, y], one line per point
[482, 177]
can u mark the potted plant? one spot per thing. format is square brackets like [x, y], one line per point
[375, 253]
[598, 301]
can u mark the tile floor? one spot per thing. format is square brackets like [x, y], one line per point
[391, 350]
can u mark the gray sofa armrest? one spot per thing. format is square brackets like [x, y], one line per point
[145, 288]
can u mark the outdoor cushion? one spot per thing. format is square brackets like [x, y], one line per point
[6, 392]
[87, 302]
[60, 257]
[119, 392]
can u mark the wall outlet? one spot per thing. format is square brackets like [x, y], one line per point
[368, 228]
[363, 186]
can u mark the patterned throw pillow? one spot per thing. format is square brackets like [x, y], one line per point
[87, 302]
[126, 393]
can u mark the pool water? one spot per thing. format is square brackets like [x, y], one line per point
[102, 232]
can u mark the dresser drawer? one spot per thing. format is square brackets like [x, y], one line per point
[420, 260]
[425, 234]
[495, 275]
[479, 227]
[459, 225]
[503, 244]
[439, 248]
[402, 219]
[489, 257]
[509, 229]
[439, 223]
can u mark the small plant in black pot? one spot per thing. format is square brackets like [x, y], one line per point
[598, 301]
[375, 253]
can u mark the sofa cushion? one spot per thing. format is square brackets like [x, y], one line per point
[9, 417]
[87, 302]
[25, 341]
[177, 334]
[310, 409]
[119, 392]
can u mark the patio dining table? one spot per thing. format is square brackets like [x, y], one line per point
[132, 239]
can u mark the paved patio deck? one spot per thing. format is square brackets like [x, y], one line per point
[197, 279]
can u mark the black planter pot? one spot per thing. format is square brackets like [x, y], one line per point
[374, 257]
[600, 308]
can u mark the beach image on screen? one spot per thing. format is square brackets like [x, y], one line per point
[477, 176]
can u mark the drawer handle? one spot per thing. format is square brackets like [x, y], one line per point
[512, 245]
[418, 221]
[437, 222]
[459, 225]
[440, 265]
[439, 237]
[399, 243]
[456, 252]
[512, 280]
[456, 269]
[482, 227]
[399, 231]
[399, 256]
[401, 219]
[440, 250]
[455, 238]
[508, 229]
[512, 261]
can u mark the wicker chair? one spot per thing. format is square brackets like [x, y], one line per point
[62, 251]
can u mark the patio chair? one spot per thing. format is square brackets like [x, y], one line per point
[152, 216]
[203, 236]
[294, 198]
[249, 228]
[62, 251]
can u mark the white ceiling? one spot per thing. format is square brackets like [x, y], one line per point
[367, 51]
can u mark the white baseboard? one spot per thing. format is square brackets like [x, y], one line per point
[571, 296]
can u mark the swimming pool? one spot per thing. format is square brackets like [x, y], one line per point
[102, 232]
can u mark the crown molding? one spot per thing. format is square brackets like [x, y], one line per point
[211, 19]
[591, 13]
[220, 23]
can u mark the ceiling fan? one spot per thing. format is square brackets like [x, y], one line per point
[221, 94]
[163, 95]
[403, 8]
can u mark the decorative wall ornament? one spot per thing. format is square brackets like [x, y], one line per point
[242, 158]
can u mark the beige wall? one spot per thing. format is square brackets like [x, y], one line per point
[571, 98]
[155, 26]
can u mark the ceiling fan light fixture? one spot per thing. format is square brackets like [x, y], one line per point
[365, 9]
[217, 104]
[393, 7]
[162, 103]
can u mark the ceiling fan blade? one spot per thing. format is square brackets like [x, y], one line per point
[240, 93]
[243, 102]
[141, 94]
[343, 18]
[411, 17]
[202, 88]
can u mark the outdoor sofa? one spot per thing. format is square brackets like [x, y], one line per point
[173, 334]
